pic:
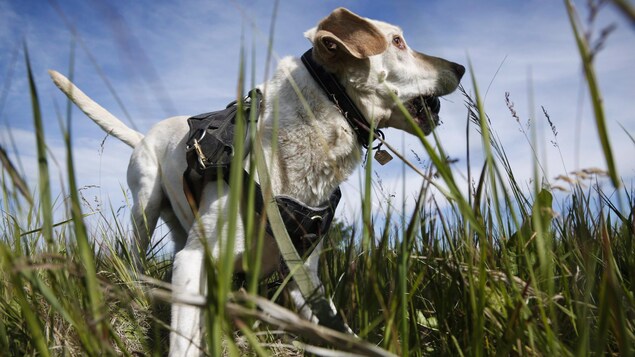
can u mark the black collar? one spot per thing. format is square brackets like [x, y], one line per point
[338, 96]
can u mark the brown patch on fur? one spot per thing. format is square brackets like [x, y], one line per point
[343, 36]
[282, 161]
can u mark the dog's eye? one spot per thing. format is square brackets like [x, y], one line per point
[398, 42]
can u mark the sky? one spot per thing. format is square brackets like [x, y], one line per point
[165, 58]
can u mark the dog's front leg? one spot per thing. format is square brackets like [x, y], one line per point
[188, 277]
[189, 274]
[299, 300]
[305, 309]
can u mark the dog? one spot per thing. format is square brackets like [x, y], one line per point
[317, 147]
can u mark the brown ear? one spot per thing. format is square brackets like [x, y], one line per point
[344, 33]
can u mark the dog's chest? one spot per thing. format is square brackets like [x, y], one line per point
[313, 165]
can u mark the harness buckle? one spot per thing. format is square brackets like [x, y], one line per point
[199, 153]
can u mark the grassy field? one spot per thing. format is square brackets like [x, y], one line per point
[489, 269]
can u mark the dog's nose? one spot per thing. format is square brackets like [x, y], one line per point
[458, 69]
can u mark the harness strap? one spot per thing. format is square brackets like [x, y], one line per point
[300, 272]
[305, 224]
[188, 187]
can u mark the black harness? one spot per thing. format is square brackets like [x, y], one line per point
[209, 155]
[210, 151]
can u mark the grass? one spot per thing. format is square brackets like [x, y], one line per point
[497, 271]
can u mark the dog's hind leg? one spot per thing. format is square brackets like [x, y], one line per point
[179, 235]
[148, 199]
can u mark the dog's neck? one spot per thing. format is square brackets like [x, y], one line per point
[316, 147]
[336, 94]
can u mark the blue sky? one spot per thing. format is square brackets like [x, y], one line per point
[165, 58]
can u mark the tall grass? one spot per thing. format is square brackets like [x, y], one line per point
[494, 271]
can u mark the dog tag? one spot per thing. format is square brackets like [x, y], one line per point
[382, 157]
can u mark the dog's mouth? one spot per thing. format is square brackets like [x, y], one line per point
[425, 112]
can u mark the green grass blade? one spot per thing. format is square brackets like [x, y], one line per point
[32, 320]
[85, 248]
[627, 9]
[444, 170]
[627, 133]
[596, 98]
[46, 207]
[15, 176]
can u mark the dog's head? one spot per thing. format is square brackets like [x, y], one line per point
[372, 61]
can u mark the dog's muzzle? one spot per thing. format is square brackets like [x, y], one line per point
[425, 111]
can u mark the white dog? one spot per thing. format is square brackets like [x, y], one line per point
[318, 147]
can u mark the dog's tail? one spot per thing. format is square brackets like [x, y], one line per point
[96, 112]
